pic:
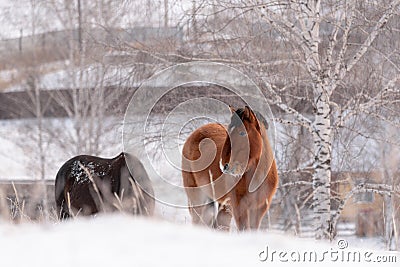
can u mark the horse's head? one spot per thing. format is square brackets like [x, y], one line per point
[243, 147]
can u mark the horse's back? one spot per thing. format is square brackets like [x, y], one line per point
[197, 167]
[76, 168]
[214, 131]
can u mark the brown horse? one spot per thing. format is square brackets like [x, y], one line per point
[86, 185]
[230, 171]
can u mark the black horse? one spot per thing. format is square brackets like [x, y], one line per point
[86, 185]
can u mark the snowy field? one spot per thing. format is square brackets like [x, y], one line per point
[120, 240]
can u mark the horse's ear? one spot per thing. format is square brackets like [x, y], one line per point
[249, 114]
[266, 125]
[232, 109]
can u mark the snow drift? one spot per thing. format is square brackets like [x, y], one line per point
[120, 240]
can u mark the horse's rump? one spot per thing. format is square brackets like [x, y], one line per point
[87, 184]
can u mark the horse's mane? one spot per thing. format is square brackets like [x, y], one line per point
[237, 118]
[261, 119]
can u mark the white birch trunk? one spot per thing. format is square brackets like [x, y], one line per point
[321, 127]
[390, 225]
[322, 166]
[390, 234]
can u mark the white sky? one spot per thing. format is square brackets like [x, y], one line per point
[16, 15]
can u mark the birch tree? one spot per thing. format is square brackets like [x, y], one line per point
[327, 70]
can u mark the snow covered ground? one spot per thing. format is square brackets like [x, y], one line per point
[120, 240]
[60, 75]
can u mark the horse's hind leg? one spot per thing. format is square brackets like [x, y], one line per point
[206, 214]
[201, 208]
[223, 220]
[203, 214]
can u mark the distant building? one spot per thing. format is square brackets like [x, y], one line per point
[365, 209]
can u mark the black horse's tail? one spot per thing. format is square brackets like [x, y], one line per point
[142, 182]
[61, 202]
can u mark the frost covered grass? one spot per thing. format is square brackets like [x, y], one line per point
[121, 240]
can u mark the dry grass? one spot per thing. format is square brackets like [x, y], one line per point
[16, 209]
